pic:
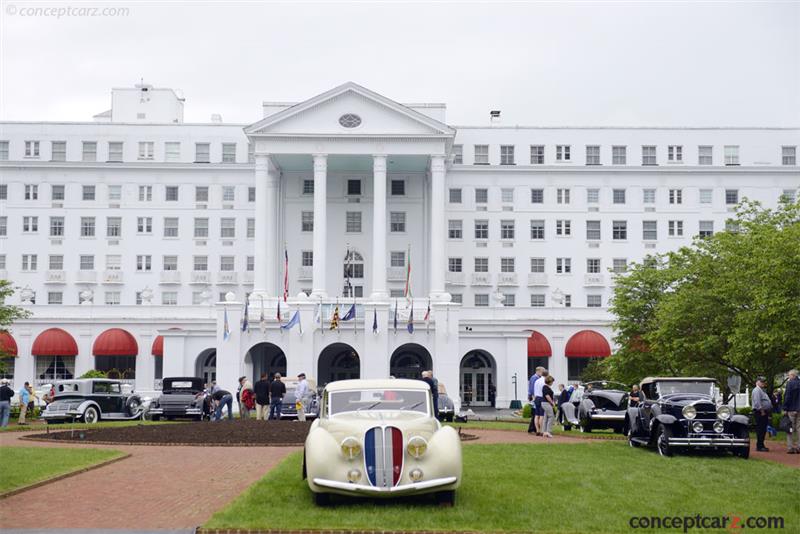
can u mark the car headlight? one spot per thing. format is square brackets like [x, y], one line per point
[351, 448]
[697, 427]
[415, 475]
[417, 446]
[724, 412]
[689, 412]
[719, 426]
[353, 476]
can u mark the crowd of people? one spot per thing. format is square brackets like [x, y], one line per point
[27, 402]
[544, 402]
[265, 398]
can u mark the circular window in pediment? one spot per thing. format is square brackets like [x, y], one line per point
[350, 120]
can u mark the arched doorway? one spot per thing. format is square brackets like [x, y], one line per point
[265, 358]
[477, 383]
[409, 360]
[206, 365]
[338, 361]
[353, 270]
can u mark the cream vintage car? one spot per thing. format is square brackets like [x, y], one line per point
[379, 438]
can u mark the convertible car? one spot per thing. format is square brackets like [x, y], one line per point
[92, 399]
[597, 405]
[379, 438]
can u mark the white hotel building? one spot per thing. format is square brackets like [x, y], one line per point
[130, 237]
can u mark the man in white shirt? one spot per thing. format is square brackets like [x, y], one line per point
[301, 393]
[538, 410]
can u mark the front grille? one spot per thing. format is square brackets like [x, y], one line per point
[383, 455]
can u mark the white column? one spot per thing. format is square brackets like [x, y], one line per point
[437, 265]
[320, 222]
[379, 229]
[263, 228]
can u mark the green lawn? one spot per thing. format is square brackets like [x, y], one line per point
[597, 486]
[21, 466]
[68, 426]
[523, 427]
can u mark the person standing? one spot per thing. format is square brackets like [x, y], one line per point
[548, 407]
[635, 396]
[262, 397]
[301, 395]
[276, 392]
[5, 402]
[222, 398]
[563, 399]
[531, 390]
[762, 406]
[24, 399]
[791, 405]
[777, 399]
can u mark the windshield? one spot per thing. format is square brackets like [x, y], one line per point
[378, 399]
[674, 387]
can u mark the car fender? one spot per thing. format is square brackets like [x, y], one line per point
[740, 419]
[323, 457]
[570, 412]
[632, 417]
[666, 419]
[85, 404]
[443, 457]
[586, 409]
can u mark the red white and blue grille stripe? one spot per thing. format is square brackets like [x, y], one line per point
[383, 455]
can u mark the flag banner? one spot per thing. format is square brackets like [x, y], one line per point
[395, 316]
[278, 314]
[226, 329]
[407, 289]
[246, 316]
[350, 315]
[335, 318]
[410, 326]
[294, 321]
[285, 273]
[375, 321]
[262, 321]
[348, 257]
[428, 318]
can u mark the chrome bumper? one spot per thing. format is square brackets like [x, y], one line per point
[710, 442]
[396, 490]
[61, 415]
[608, 417]
[182, 411]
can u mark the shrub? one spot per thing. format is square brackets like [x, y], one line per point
[527, 411]
[746, 410]
[93, 373]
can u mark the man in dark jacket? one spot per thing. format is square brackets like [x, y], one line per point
[221, 398]
[5, 402]
[262, 397]
[563, 398]
[791, 405]
[276, 392]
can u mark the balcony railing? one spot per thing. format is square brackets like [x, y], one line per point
[200, 277]
[55, 277]
[227, 278]
[305, 272]
[456, 279]
[537, 279]
[481, 279]
[507, 279]
[594, 279]
[170, 277]
[113, 277]
[86, 277]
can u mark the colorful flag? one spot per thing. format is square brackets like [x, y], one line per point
[294, 321]
[410, 325]
[262, 321]
[226, 329]
[351, 314]
[407, 290]
[279, 311]
[375, 321]
[428, 317]
[246, 316]
[395, 316]
[318, 315]
[285, 273]
[348, 257]
[335, 318]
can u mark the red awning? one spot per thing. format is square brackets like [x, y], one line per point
[587, 344]
[538, 346]
[158, 346]
[115, 342]
[8, 344]
[54, 342]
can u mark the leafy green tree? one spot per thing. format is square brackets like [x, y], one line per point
[8, 314]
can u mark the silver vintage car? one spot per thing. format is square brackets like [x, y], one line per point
[91, 400]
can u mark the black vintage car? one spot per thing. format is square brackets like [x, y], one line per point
[92, 399]
[180, 397]
[597, 405]
[446, 406]
[681, 413]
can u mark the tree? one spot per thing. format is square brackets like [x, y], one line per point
[8, 314]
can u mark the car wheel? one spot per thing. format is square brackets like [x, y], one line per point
[631, 442]
[134, 407]
[446, 498]
[322, 499]
[91, 415]
[742, 452]
[664, 433]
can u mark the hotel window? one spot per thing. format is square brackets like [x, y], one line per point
[537, 229]
[675, 228]
[112, 298]
[592, 155]
[506, 229]
[55, 297]
[201, 193]
[593, 230]
[353, 222]
[562, 196]
[731, 155]
[3, 150]
[481, 155]
[30, 225]
[619, 230]
[354, 187]
[144, 263]
[398, 188]
[250, 265]
[481, 196]
[251, 153]
[169, 298]
[481, 265]
[482, 300]
[593, 301]
[251, 194]
[171, 193]
[86, 262]
[563, 265]
[537, 300]
[202, 153]
[200, 263]
[705, 155]
[58, 151]
[170, 263]
[144, 225]
[567, 301]
[619, 196]
[458, 154]
[506, 154]
[227, 227]
[170, 227]
[113, 262]
[114, 192]
[789, 195]
[454, 229]
[509, 300]
[31, 149]
[592, 196]
[649, 230]
[2, 262]
[251, 227]
[648, 196]
[706, 228]
[307, 221]
[397, 221]
[172, 151]
[197, 299]
[113, 226]
[88, 192]
[507, 195]
[201, 227]
[619, 155]
[397, 259]
[731, 196]
[31, 192]
[593, 265]
[537, 154]
[507, 265]
[146, 149]
[57, 192]
[228, 152]
[676, 196]
[562, 152]
[706, 196]
[228, 193]
[89, 151]
[454, 265]
[87, 226]
[563, 227]
[537, 265]
[307, 258]
[455, 196]
[620, 265]
[789, 155]
[649, 155]
[29, 262]
[675, 154]
[145, 193]
[3, 191]
[3, 227]
[56, 226]
[482, 229]
[537, 196]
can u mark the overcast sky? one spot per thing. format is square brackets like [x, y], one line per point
[589, 63]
